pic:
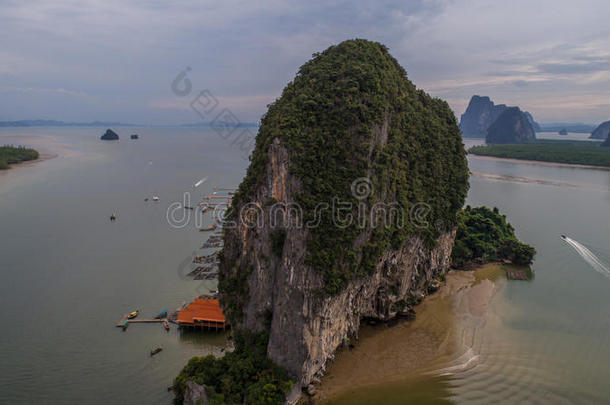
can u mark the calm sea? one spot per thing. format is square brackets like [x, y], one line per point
[69, 274]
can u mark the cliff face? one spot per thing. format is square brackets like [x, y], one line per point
[349, 130]
[602, 131]
[307, 327]
[530, 118]
[512, 126]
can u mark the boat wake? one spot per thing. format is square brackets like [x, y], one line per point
[200, 182]
[589, 257]
[465, 362]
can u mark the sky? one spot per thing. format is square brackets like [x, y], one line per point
[111, 60]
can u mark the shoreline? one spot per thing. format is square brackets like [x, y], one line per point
[42, 156]
[413, 355]
[538, 162]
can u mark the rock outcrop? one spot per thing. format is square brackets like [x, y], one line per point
[512, 126]
[602, 131]
[110, 135]
[350, 129]
[194, 394]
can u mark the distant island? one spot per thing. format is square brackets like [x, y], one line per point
[512, 126]
[558, 151]
[110, 135]
[15, 154]
[563, 131]
[606, 142]
[482, 113]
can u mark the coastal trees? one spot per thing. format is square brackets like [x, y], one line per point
[11, 154]
[484, 235]
[245, 375]
[570, 152]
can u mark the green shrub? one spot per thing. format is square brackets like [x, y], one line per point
[245, 374]
[484, 235]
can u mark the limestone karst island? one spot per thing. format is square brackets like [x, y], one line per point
[313, 203]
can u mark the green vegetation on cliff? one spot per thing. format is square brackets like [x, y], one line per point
[484, 235]
[352, 113]
[244, 376]
[573, 152]
[12, 154]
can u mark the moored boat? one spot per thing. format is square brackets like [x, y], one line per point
[157, 350]
[162, 314]
[166, 325]
[133, 314]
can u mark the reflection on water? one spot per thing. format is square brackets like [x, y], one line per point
[211, 338]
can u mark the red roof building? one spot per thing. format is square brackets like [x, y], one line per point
[202, 312]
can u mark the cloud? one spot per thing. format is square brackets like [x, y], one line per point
[575, 68]
[124, 55]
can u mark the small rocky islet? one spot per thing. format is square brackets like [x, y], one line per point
[110, 135]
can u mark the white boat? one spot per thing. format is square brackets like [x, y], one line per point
[155, 198]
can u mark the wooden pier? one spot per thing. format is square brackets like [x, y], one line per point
[145, 320]
[516, 274]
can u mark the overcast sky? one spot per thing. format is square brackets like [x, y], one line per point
[76, 60]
